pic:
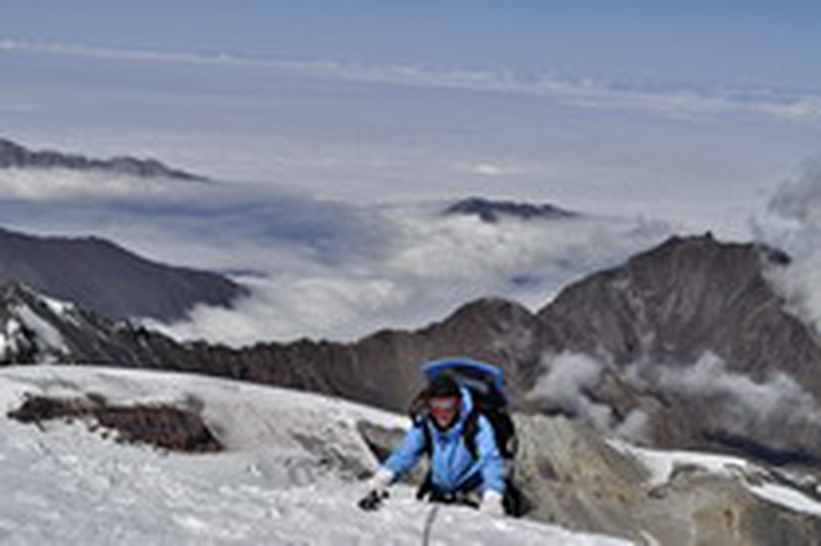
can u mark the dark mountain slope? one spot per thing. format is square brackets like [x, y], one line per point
[107, 279]
[681, 299]
[696, 339]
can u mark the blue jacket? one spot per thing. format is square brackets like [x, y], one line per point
[451, 462]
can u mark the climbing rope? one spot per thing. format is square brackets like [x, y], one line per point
[431, 517]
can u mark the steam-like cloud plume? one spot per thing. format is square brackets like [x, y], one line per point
[568, 382]
[792, 223]
[564, 382]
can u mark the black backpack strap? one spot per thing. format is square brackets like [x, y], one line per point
[504, 433]
[426, 487]
[470, 431]
[427, 447]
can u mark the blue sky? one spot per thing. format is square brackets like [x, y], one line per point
[757, 43]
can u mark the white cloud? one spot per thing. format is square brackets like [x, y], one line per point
[288, 309]
[741, 404]
[792, 223]
[418, 266]
[490, 169]
[58, 183]
[800, 199]
[564, 382]
[745, 404]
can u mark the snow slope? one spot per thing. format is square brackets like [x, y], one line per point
[663, 464]
[289, 476]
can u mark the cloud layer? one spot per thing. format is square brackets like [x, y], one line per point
[316, 267]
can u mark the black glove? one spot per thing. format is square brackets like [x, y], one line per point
[373, 500]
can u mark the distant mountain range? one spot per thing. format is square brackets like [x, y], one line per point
[684, 346]
[13, 155]
[107, 279]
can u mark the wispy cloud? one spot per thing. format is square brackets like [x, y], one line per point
[491, 169]
[578, 92]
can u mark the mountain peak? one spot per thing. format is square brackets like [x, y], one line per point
[492, 211]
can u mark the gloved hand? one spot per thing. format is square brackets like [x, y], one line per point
[377, 490]
[492, 503]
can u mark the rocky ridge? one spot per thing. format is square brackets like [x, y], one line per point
[627, 349]
[13, 155]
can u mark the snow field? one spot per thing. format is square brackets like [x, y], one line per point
[288, 477]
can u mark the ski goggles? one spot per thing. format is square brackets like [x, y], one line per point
[443, 404]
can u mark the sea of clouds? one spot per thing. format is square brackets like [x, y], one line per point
[330, 179]
[323, 268]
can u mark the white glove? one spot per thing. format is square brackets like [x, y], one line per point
[380, 481]
[492, 503]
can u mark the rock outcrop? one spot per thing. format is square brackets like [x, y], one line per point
[578, 479]
[164, 426]
[492, 211]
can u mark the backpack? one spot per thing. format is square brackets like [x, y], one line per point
[486, 385]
